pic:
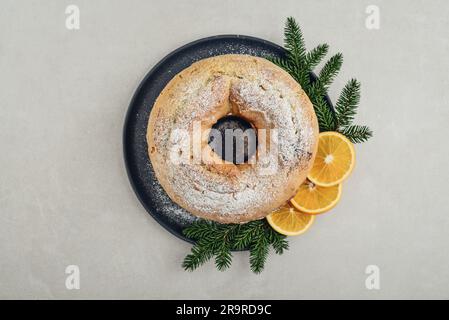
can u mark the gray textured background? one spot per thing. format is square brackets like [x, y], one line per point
[65, 197]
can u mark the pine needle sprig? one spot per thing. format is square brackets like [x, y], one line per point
[300, 64]
[223, 256]
[330, 70]
[218, 240]
[347, 103]
[356, 133]
[277, 240]
[258, 252]
[245, 235]
[204, 230]
[326, 117]
[200, 254]
[294, 42]
[314, 57]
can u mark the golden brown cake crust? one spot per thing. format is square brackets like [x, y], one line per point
[256, 90]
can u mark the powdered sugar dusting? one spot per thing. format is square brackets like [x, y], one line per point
[167, 207]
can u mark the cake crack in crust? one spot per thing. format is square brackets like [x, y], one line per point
[194, 176]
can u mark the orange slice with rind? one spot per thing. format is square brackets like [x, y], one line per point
[289, 221]
[314, 199]
[334, 160]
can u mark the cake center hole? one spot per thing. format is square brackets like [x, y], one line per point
[234, 139]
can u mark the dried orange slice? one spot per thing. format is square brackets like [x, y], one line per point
[334, 160]
[313, 199]
[289, 221]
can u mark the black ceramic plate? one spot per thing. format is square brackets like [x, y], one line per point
[140, 172]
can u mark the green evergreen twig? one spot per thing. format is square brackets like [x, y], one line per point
[300, 64]
[347, 103]
[356, 133]
[314, 57]
[294, 42]
[330, 71]
[217, 240]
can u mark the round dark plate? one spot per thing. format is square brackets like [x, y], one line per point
[140, 172]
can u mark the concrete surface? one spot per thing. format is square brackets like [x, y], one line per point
[65, 198]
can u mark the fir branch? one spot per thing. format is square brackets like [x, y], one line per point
[330, 70]
[301, 75]
[294, 41]
[356, 133]
[347, 103]
[277, 240]
[325, 116]
[245, 235]
[314, 57]
[299, 64]
[223, 257]
[200, 254]
[220, 239]
[296, 53]
[201, 229]
[258, 252]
